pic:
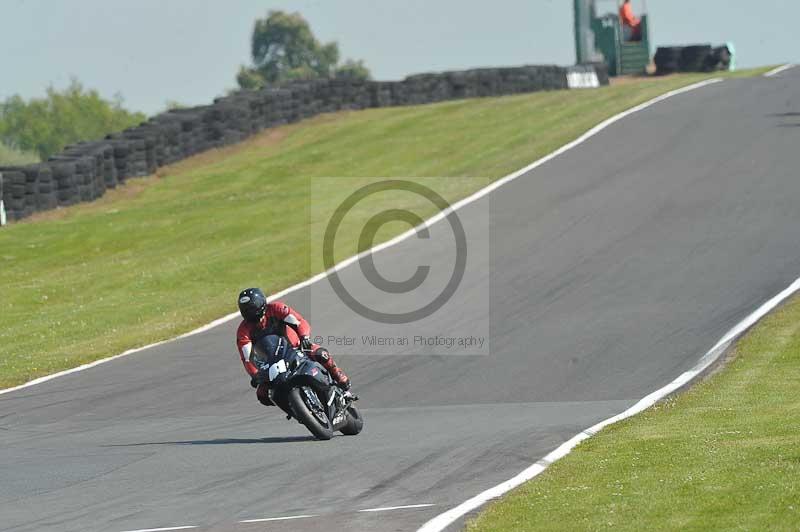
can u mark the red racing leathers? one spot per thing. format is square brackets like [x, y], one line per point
[281, 319]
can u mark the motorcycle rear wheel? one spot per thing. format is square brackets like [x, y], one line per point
[302, 412]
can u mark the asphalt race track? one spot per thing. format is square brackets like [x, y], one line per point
[611, 270]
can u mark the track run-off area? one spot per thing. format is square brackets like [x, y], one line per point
[613, 268]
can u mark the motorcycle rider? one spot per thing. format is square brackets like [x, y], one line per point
[260, 319]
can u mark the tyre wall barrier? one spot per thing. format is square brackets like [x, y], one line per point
[84, 171]
[695, 58]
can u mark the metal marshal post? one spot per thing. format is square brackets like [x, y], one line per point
[602, 37]
[584, 37]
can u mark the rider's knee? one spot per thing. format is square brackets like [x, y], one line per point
[323, 356]
[262, 393]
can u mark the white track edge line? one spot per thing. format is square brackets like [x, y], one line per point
[269, 519]
[442, 521]
[163, 529]
[427, 223]
[776, 71]
[404, 507]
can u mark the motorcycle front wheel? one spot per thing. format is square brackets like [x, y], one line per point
[308, 410]
[354, 422]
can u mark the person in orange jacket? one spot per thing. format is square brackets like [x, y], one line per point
[629, 20]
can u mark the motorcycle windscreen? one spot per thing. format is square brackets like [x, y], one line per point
[270, 349]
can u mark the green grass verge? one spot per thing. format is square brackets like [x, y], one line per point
[723, 456]
[166, 254]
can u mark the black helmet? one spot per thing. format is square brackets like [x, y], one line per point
[252, 304]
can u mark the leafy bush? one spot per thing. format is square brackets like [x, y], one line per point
[12, 157]
[46, 125]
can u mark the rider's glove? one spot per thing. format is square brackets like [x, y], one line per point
[305, 343]
[254, 381]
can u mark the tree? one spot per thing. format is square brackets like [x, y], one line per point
[46, 125]
[283, 48]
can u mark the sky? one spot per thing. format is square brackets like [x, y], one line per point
[188, 51]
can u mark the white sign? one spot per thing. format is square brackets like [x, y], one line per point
[582, 79]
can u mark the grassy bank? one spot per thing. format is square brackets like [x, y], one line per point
[723, 456]
[165, 254]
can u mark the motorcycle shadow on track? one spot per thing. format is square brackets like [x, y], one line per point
[221, 441]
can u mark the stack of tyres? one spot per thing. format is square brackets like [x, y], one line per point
[437, 90]
[301, 99]
[99, 172]
[248, 105]
[95, 151]
[68, 179]
[259, 111]
[109, 170]
[212, 125]
[668, 59]
[170, 147]
[381, 93]
[42, 177]
[121, 150]
[143, 133]
[324, 96]
[238, 127]
[197, 133]
[285, 105]
[412, 89]
[190, 137]
[281, 100]
[214, 128]
[719, 59]
[695, 58]
[330, 97]
[228, 120]
[150, 143]
[460, 85]
[352, 94]
[14, 193]
[90, 166]
[268, 111]
[512, 82]
[84, 175]
[399, 93]
[137, 157]
[31, 204]
[64, 178]
[487, 82]
[246, 114]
